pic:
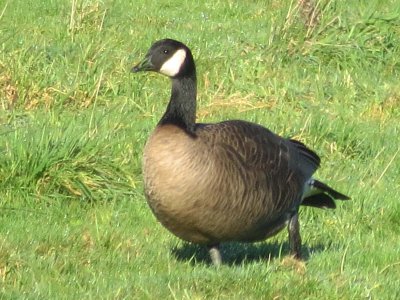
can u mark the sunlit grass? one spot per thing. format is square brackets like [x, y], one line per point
[73, 121]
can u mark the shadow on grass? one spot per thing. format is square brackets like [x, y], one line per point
[239, 253]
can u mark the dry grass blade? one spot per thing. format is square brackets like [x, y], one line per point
[387, 167]
[3, 11]
[310, 12]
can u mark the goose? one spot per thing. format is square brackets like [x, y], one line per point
[227, 181]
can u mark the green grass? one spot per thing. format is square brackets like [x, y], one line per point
[74, 223]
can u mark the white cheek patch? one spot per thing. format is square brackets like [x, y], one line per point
[172, 66]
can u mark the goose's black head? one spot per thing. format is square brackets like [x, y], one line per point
[169, 57]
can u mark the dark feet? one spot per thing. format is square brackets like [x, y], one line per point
[294, 236]
[215, 255]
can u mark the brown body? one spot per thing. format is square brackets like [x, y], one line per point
[229, 181]
[224, 183]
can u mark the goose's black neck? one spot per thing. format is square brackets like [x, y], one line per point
[181, 110]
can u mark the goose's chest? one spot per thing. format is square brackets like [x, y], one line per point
[170, 169]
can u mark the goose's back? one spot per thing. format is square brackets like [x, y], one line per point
[230, 181]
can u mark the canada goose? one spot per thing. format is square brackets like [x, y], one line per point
[229, 181]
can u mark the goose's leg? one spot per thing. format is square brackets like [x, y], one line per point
[215, 254]
[294, 235]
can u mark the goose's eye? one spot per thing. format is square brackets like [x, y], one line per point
[166, 51]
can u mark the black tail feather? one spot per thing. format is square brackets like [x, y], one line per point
[319, 201]
[322, 196]
[325, 188]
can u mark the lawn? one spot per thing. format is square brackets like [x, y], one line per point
[74, 223]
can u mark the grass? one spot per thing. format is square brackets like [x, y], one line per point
[73, 220]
